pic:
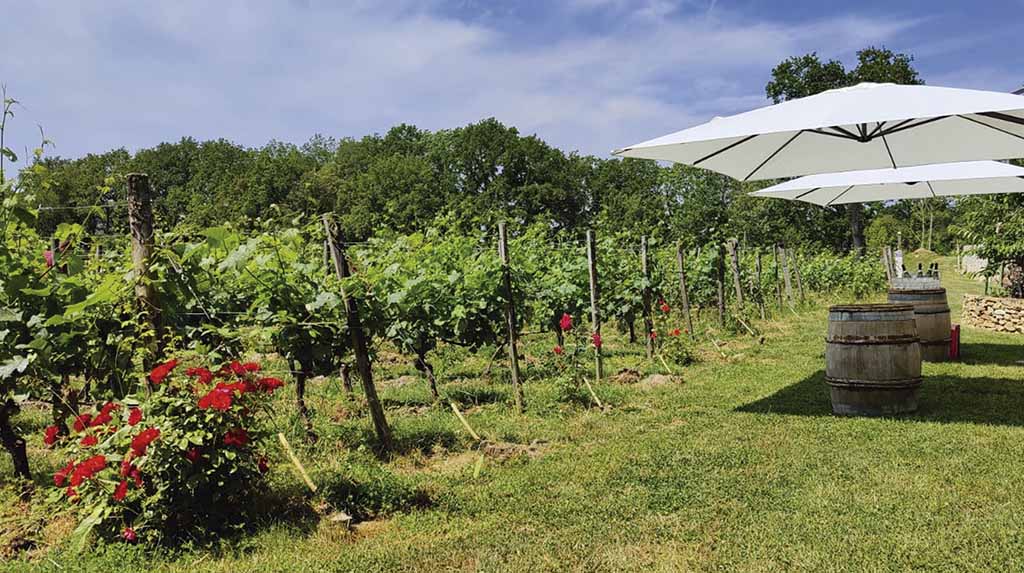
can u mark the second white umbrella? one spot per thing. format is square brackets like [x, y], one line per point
[940, 180]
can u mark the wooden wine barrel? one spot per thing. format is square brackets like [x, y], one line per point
[931, 310]
[873, 359]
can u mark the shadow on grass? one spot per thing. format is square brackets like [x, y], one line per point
[474, 395]
[949, 399]
[997, 354]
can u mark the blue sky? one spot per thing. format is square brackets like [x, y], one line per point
[587, 75]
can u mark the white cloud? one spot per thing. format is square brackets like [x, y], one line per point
[122, 73]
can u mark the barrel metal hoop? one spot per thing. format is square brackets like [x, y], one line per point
[873, 384]
[875, 340]
[943, 342]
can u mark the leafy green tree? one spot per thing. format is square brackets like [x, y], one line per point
[807, 75]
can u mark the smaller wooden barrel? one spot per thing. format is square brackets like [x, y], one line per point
[873, 359]
[932, 313]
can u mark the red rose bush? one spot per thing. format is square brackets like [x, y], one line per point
[184, 458]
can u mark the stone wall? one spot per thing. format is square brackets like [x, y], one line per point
[991, 313]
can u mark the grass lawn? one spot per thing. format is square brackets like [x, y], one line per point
[739, 467]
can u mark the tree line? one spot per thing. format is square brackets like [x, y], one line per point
[473, 176]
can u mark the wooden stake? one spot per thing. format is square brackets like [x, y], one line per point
[592, 393]
[760, 290]
[360, 346]
[720, 283]
[795, 264]
[510, 318]
[140, 223]
[786, 276]
[295, 462]
[648, 320]
[734, 263]
[775, 270]
[595, 315]
[682, 287]
[464, 422]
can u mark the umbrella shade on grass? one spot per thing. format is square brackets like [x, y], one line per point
[921, 182]
[866, 126]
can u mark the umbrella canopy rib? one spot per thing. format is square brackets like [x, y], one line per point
[837, 197]
[724, 149]
[772, 156]
[999, 129]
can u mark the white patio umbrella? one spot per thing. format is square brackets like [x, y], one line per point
[939, 180]
[867, 126]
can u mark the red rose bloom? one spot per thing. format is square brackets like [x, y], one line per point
[143, 439]
[193, 454]
[162, 370]
[263, 465]
[120, 491]
[219, 399]
[654, 335]
[89, 441]
[236, 437]
[51, 434]
[62, 474]
[134, 416]
[82, 422]
[204, 375]
[566, 322]
[237, 368]
[596, 339]
[251, 367]
[87, 469]
[136, 476]
[71, 492]
[665, 307]
[126, 466]
[129, 535]
[558, 350]
[269, 384]
[674, 332]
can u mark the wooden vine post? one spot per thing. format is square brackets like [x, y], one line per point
[795, 263]
[786, 276]
[648, 322]
[510, 318]
[595, 314]
[759, 290]
[720, 283]
[683, 293]
[360, 346]
[140, 224]
[734, 263]
[775, 270]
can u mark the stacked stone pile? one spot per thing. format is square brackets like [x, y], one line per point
[992, 313]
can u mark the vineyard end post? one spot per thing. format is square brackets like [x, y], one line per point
[140, 224]
[595, 315]
[360, 347]
[681, 262]
[720, 282]
[648, 321]
[510, 317]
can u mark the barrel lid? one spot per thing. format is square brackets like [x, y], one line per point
[878, 307]
[939, 290]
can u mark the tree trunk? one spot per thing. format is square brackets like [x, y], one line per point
[303, 372]
[423, 366]
[15, 446]
[559, 335]
[855, 211]
[631, 324]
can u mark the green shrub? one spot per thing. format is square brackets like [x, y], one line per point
[181, 461]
